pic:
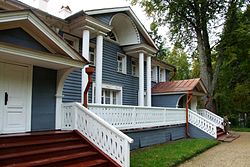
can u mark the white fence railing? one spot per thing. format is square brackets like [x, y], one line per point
[131, 117]
[107, 138]
[212, 117]
[202, 123]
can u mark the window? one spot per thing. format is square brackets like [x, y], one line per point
[111, 35]
[162, 75]
[111, 94]
[154, 74]
[134, 70]
[121, 63]
[92, 56]
[72, 41]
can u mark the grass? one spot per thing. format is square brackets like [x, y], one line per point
[241, 129]
[170, 154]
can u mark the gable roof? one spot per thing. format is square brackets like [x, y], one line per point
[27, 20]
[180, 86]
[130, 12]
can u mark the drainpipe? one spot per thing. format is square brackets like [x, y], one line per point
[189, 98]
[89, 70]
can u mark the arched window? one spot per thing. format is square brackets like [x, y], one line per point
[111, 36]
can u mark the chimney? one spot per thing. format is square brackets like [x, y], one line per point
[65, 11]
[41, 4]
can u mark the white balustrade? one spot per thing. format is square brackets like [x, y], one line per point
[106, 137]
[131, 117]
[212, 117]
[202, 123]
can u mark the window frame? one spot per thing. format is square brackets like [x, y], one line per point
[75, 40]
[112, 89]
[136, 65]
[123, 62]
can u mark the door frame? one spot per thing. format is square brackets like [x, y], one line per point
[29, 93]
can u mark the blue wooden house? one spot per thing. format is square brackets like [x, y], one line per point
[131, 102]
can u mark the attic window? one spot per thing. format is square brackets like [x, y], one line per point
[111, 36]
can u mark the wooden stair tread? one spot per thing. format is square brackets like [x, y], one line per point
[46, 150]
[55, 159]
[27, 143]
[89, 163]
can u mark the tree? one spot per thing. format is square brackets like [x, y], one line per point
[192, 22]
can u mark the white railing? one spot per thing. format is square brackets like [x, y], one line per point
[212, 117]
[131, 117]
[107, 138]
[202, 123]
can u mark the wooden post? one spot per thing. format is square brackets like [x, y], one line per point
[189, 98]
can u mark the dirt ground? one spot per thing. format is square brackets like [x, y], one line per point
[234, 154]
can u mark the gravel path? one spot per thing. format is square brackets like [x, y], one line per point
[234, 154]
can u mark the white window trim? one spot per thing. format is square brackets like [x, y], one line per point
[111, 87]
[154, 76]
[93, 47]
[75, 41]
[163, 74]
[124, 63]
[136, 68]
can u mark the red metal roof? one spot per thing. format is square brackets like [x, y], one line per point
[180, 86]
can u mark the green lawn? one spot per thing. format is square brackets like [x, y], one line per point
[171, 153]
[241, 129]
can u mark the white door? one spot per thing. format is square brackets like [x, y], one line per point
[14, 97]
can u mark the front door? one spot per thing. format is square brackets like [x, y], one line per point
[13, 98]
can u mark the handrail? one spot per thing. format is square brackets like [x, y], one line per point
[133, 117]
[202, 123]
[212, 117]
[107, 138]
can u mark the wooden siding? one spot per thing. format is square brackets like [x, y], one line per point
[18, 36]
[194, 132]
[147, 137]
[43, 99]
[73, 87]
[165, 100]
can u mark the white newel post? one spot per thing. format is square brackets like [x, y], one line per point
[85, 54]
[149, 81]
[99, 56]
[141, 80]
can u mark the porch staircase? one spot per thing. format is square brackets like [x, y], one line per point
[52, 148]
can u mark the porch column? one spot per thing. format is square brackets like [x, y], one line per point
[85, 54]
[149, 81]
[99, 57]
[141, 80]
[85, 44]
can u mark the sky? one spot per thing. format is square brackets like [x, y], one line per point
[77, 5]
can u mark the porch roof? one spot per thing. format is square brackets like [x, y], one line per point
[58, 48]
[180, 87]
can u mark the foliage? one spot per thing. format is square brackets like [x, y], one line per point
[170, 154]
[233, 91]
[178, 58]
[241, 129]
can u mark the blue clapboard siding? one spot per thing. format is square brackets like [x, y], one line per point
[20, 37]
[43, 99]
[165, 100]
[73, 87]
[147, 137]
[195, 132]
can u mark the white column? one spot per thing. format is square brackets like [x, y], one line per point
[99, 54]
[141, 80]
[85, 54]
[85, 44]
[149, 81]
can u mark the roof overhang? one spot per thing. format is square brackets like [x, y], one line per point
[130, 12]
[140, 48]
[28, 21]
[16, 54]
